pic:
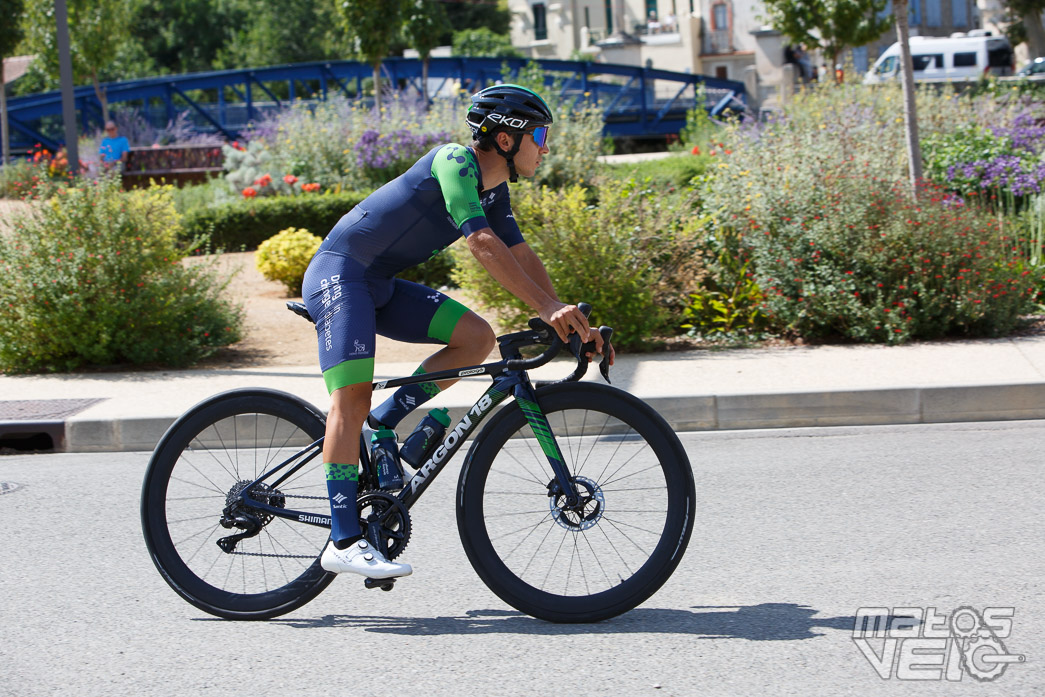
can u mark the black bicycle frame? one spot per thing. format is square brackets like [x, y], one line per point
[507, 380]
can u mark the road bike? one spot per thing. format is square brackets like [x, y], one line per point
[575, 501]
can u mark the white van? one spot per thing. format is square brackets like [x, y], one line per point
[956, 57]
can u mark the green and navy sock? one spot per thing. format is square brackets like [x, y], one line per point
[342, 485]
[404, 400]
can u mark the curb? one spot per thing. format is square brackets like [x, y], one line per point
[873, 407]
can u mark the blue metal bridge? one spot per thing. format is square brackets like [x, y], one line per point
[636, 102]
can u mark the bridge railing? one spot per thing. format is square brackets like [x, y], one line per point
[636, 101]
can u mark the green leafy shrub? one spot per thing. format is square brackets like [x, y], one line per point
[94, 276]
[632, 254]
[729, 304]
[246, 224]
[285, 256]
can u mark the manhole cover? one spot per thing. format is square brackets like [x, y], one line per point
[42, 409]
[9, 487]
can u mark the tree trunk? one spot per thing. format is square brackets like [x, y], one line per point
[1035, 34]
[424, 81]
[102, 98]
[5, 143]
[910, 112]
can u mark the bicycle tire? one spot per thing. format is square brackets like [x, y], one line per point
[225, 440]
[504, 505]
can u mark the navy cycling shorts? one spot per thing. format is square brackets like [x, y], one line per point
[351, 307]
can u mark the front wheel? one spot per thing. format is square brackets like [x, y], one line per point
[199, 469]
[596, 559]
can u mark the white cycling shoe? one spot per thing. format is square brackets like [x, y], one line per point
[362, 559]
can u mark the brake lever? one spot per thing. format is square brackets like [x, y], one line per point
[607, 351]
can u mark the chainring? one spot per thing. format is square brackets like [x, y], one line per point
[385, 522]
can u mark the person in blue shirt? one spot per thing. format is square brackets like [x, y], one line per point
[352, 293]
[113, 148]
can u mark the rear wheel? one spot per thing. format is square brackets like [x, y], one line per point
[201, 465]
[602, 556]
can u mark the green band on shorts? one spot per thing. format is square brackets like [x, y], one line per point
[445, 319]
[348, 373]
[336, 472]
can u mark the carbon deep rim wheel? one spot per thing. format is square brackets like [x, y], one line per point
[596, 560]
[202, 461]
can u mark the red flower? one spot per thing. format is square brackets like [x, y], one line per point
[290, 179]
[249, 192]
[695, 150]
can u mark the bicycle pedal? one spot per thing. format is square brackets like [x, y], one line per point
[385, 584]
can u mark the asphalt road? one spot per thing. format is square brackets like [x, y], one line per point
[796, 530]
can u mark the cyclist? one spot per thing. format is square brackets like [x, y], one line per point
[351, 291]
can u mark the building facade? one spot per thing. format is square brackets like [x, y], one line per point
[721, 38]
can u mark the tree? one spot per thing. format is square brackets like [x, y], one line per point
[425, 24]
[483, 42]
[184, 36]
[910, 112]
[9, 39]
[1025, 24]
[282, 31]
[374, 26]
[829, 25]
[473, 14]
[97, 30]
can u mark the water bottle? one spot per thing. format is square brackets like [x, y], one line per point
[385, 456]
[420, 444]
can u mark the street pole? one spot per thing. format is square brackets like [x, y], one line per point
[65, 74]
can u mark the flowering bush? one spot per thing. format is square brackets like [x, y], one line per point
[285, 257]
[993, 161]
[341, 144]
[820, 208]
[109, 287]
[383, 157]
[37, 176]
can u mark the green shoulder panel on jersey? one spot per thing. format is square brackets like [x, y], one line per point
[456, 170]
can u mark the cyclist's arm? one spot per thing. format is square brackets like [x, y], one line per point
[534, 267]
[495, 257]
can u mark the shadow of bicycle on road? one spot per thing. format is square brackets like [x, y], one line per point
[763, 622]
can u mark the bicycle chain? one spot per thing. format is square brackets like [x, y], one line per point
[277, 556]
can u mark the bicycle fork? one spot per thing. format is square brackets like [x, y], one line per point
[563, 485]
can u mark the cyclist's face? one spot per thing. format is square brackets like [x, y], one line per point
[530, 153]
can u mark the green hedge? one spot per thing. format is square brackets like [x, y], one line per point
[246, 224]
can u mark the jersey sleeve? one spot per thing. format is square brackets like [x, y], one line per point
[457, 172]
[502, 220]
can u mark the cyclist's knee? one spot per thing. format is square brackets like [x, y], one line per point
[351, 403]
[473, 333]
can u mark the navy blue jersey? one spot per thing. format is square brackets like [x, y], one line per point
[418, 214]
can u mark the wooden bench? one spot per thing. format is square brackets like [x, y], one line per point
[172, 164]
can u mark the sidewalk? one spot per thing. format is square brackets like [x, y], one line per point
[989, 379]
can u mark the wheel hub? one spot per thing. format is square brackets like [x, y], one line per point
[588, 511]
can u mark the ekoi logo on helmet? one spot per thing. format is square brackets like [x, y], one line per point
[510, 121]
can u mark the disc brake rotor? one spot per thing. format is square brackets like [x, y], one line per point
[588, 511]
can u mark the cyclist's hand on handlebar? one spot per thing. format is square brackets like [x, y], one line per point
[564, 319]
